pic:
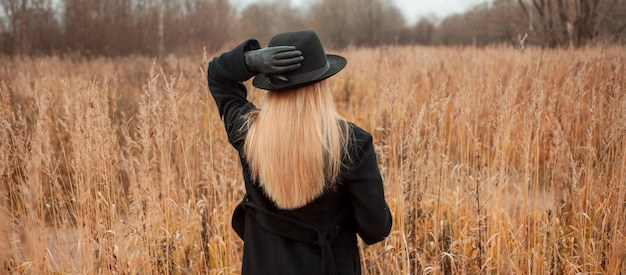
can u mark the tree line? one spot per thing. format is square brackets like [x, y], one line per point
[156, 27]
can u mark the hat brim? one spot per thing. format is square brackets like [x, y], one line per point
[336, 62]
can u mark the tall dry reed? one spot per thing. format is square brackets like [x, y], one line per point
[495, 160]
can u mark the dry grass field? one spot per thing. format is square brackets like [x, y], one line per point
[496, 160]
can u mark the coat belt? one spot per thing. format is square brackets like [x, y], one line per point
[295, 230]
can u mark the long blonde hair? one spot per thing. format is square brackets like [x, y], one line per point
[295, 144]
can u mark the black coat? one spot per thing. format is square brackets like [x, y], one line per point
[320, 237]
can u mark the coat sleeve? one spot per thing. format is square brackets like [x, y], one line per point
[226, 74]
[371, 212]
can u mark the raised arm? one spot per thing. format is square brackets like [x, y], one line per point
[227, 72]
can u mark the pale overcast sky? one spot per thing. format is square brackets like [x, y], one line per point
[411, 9]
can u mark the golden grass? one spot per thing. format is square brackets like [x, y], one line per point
[495, 160]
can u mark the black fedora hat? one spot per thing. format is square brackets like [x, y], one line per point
[316, 66]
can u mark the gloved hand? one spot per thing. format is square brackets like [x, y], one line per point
[273, 61]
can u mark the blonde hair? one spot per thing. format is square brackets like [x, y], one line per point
[295, 144]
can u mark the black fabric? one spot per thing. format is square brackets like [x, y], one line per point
[271, 247]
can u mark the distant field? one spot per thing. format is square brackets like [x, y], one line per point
[495, 160]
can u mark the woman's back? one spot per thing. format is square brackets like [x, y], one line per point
[355, 205]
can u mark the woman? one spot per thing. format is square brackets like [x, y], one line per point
[311, 177]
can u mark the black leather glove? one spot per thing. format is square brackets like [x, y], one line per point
[273, 60]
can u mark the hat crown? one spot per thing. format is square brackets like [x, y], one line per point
[309, 44]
